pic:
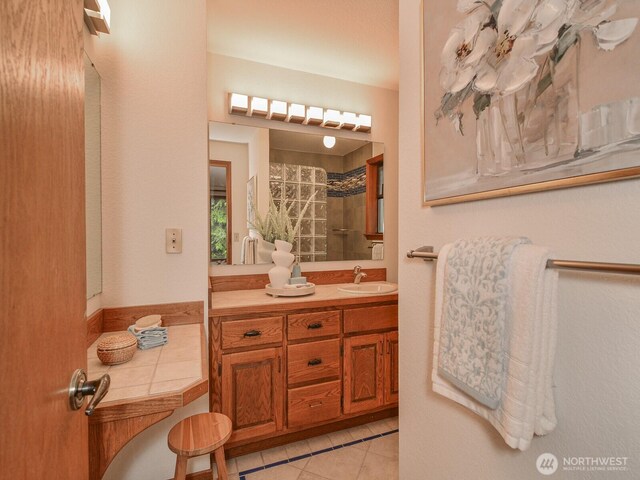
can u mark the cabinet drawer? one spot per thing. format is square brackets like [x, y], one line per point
[370, 318]
[312, 325]
[313, 404]
[313, 361]
[251, 332]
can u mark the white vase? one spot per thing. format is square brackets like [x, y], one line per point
[264, 251]
[283, 258]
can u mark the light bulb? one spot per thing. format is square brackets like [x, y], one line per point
[328, 141]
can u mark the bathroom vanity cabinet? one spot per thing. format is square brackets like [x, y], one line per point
[287, 369]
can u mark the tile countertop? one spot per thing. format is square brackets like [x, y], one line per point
[162, 371]
[227, 303]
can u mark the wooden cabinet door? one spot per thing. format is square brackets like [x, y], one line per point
[363, 372]
[391, 368]
[253, 392]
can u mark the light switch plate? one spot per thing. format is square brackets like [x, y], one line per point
[173, 240]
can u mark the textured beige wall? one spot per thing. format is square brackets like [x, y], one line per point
[154, 176]
[597, 387]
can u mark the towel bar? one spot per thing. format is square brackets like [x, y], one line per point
[428, 254]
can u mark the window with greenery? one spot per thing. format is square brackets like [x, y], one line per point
[218, 224]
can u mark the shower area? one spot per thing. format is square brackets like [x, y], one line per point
[333, 226]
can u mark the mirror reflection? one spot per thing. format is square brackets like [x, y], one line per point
[93, 204]
[342, 188]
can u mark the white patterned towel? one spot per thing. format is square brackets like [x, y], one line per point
[526, 405]
[475, 302]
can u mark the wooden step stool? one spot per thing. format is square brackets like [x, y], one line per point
[198, 435]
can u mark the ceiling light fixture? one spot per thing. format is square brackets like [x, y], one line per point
[329, 141]
[97, 16]
[249, 106]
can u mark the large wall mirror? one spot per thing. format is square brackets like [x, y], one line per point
[252, 168]
[93, 195]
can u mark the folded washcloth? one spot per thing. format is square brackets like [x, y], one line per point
[474, 310]
[527, 405]
[150, 337]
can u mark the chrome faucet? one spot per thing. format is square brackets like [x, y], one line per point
[358, 273]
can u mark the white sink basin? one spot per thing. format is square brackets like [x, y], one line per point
[369, 288]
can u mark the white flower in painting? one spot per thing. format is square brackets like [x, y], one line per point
[467, 45]
[525, 30]
[591, 13]
[611, 34]
[466, 6]
[595, 14]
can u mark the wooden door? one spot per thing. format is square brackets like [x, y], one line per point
[42, 239]
[253, 392]
[363, 372]
[391, 368]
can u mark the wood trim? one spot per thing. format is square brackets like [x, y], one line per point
[107, 439]
[236, 449]
[94, 326]
[374, 236]
[227, 166]
[215, 362]
[229, 283]
[120, 318]
[391, 390]
[371, 198]
[358, 320]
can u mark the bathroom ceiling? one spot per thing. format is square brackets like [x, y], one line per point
[302, 142]
[354, 40]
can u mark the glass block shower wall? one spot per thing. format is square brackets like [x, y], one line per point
[295, 184]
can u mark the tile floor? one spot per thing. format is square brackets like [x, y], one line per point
[367, 452]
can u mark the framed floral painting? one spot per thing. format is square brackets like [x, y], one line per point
[528, 95]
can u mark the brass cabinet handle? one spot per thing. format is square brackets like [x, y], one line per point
[313, 326]
[314, 362]
[253, 333]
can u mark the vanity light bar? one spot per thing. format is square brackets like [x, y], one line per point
[260, 107]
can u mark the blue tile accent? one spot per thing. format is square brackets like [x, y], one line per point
[275, 464]
[252, 470]
[244, 473]
[300, 457]
[324, 450]
[348, 444]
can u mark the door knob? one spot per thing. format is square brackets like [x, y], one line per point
[80, 387]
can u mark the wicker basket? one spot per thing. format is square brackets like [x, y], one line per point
[116, 349]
